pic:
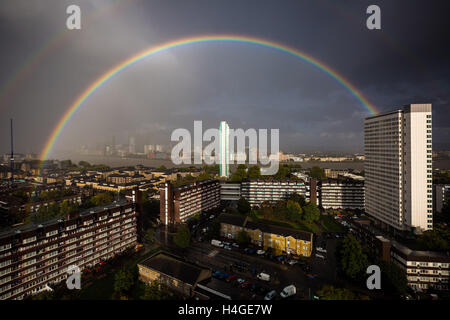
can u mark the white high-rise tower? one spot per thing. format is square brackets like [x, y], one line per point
[224, 131]
[398, 168]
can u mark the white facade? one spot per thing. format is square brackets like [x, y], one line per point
[398, 167]
[224, 149]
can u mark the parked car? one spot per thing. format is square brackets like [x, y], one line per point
[227, 248]
[281, 258]
[250, 251]
[223, 276]
[245, 284]
[226, 243]
[240, 281]
[272, 294]
[288, 291]
[235, 245]
[217, 243]
[320, 256]
[231, 278]
[263, 276]
[310, 276]
[292, 262]
[216, 274]
[260, 252]
[253, 271]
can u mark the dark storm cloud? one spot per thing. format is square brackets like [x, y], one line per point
[405, 62]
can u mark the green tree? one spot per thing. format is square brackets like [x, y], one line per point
[267, 210]
[162, 168]
[300, 199]
[150, 235]
[214, 229]
[254, 172]
[156, 291]
[435, 240]
[293, 210]
[393, 277]
[240, 174]
[311, 212]
[317, 173]
[243, 238]
[84, 164]
[124, 280]
[183, 237]
[67, 207]
[283, 172]
[243, 206]
[102, 199]
[328, 292]
[353, 261]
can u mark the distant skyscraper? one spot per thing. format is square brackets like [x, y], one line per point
[398, 168]
[224, 149]
[132, 145]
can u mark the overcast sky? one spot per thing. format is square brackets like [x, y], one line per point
[407, 61]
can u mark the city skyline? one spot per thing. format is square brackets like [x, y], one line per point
[250, 86]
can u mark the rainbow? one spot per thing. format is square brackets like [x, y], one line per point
[92, 88]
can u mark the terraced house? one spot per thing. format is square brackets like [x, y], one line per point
[280, 239]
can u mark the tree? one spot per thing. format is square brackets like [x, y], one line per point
[183, 237]
[331, 293]
[300, 199]
[317, 173]
[353, 261]
[214, 229]
[293, 210]
[435, 240]
[311, 212]
[240, 174]
[254, 172]
[156, 291]
[243, 238]
[162, 168]
[84, 164]
[267, 210]
[150, 235]
[283, 172]
[393, 277]
[101, 199]
[68, 207]
[243, 206]
[123, 281]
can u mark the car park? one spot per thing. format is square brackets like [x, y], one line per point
[271, 295]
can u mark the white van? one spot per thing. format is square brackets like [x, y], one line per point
[217, 243]
[263, 276]
[288, 291]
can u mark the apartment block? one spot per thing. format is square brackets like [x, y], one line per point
[177, 204]
[342, 194]
[441, 195]
[424, 269]
[279, 239]
[398, 168]
[34, 256]
[260, 190]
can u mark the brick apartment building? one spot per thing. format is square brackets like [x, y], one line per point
[37, 255]
[177, 204]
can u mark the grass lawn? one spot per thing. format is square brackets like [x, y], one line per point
[329, 224]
